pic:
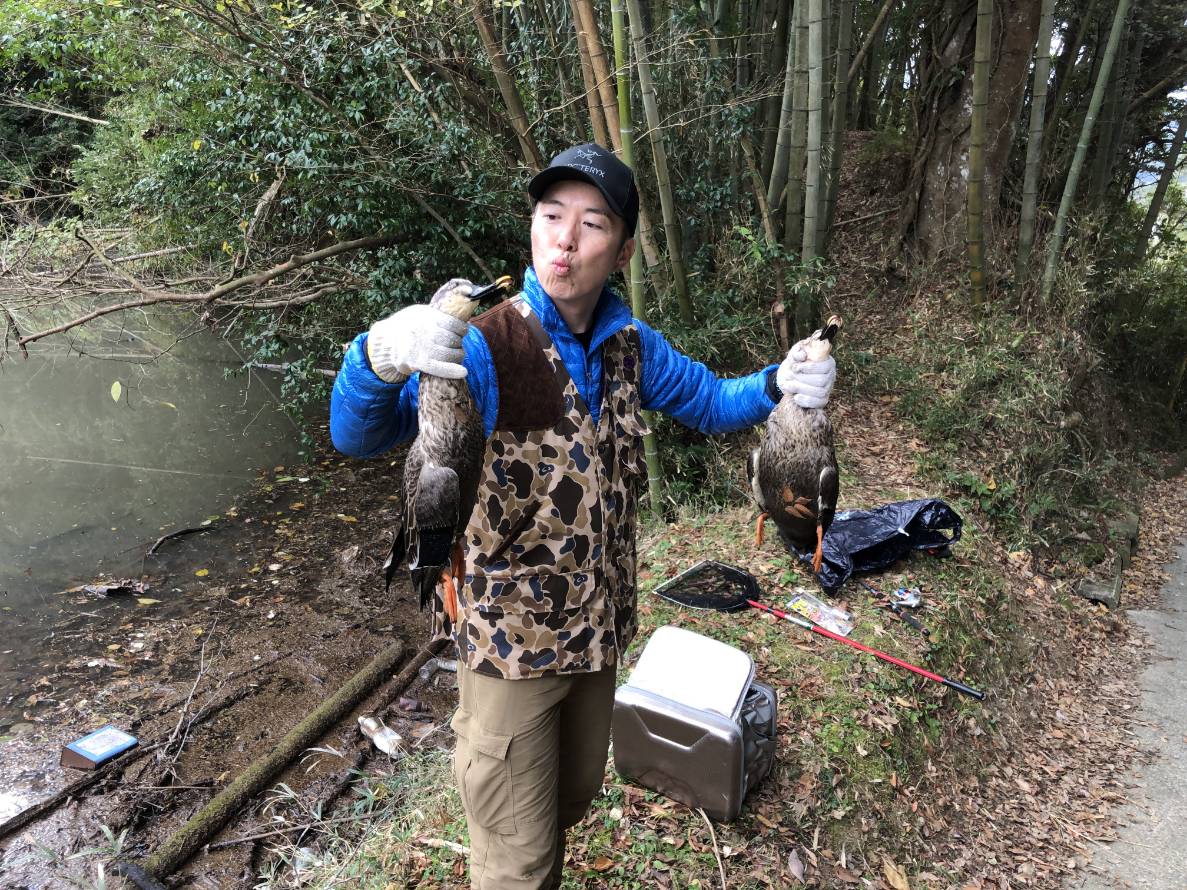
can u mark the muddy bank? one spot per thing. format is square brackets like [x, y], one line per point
[248, 626]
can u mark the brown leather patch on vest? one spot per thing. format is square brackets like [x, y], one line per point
[529, 396]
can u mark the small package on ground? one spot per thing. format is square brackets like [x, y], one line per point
[692, 723]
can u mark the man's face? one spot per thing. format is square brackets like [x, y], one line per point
[577, 243]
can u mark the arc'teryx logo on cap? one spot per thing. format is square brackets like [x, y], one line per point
[598, 166]
[588, 169]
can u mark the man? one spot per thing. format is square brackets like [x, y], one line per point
[559, 376]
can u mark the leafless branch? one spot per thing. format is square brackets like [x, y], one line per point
[59, 112]
[150, 296]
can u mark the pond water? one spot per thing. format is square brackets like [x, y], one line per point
[100, 455]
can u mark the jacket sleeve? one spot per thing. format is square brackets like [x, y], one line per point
[673, 383]
[368, 415]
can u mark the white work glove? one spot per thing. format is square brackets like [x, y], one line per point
[418, 338]
[808, 383]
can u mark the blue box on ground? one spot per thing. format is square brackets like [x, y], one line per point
[98, 747]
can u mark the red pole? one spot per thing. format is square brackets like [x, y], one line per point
[824, 632]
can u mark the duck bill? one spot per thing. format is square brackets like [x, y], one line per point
[493, 292]
[831, 327]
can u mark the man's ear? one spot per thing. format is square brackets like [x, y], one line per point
[624, 254]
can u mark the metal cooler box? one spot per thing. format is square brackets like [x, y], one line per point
[692, 723]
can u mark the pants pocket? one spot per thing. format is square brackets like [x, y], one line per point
[483, 773]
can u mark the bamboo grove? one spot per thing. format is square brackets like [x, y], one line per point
[1016, 135]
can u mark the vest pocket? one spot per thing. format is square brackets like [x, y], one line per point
[497, 594]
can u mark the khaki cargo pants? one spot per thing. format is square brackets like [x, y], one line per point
[530, 757]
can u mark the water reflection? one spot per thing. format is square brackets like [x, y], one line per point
[88, 481]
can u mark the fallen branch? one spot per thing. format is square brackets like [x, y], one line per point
[263, 834]
[150, 296]
[440, 844]
[199, 529]
[181, 731]
[179, 848]
[47, 806]
[857, 219]
[11, 328]
[46, 109]
[283, 369]
[716, 853]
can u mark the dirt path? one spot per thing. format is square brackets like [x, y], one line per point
[1150, 851]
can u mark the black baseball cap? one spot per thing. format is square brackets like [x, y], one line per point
[600, 168]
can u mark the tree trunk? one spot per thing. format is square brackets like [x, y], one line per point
[839, 120]
[1119, 115]
[507, 89]
[976, 179]
[816, 24]
[1110, 122]
[1034, 142]
[660, 158]
[793, 225]
[601, 69]
[597, 118]
[777, 180]
[1055, 246]
[776, 67]
[935, 201]
[872, 38]
[622, 65]
[1069, 53]
[1164, 181]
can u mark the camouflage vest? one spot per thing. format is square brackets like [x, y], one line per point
[550, 548]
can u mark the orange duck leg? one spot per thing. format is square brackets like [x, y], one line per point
[758, 527]
[451, 576]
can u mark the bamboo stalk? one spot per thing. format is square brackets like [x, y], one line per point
[838, 120]
[601, 70]
[775, 55]
[655, 489]
[868, 43]
[659, 157]
[507, 88]
[1164, 180]
[815, 122]
[975, 205]
[793, 225]
[778, 179]
[1055, 245]
[1034, 143]
[597, 118]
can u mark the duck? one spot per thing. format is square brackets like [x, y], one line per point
[793, 472]
[442, 471]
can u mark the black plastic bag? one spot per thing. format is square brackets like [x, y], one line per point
[871, 540]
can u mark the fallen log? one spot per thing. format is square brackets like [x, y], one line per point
[208, 821]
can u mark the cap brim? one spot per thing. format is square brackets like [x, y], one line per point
[551, 175]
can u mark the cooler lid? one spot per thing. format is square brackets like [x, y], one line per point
[694, 670]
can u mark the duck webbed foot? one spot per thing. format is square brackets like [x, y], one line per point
[451, 576]
[758, 528]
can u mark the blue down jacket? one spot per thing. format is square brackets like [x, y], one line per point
[369, 416]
